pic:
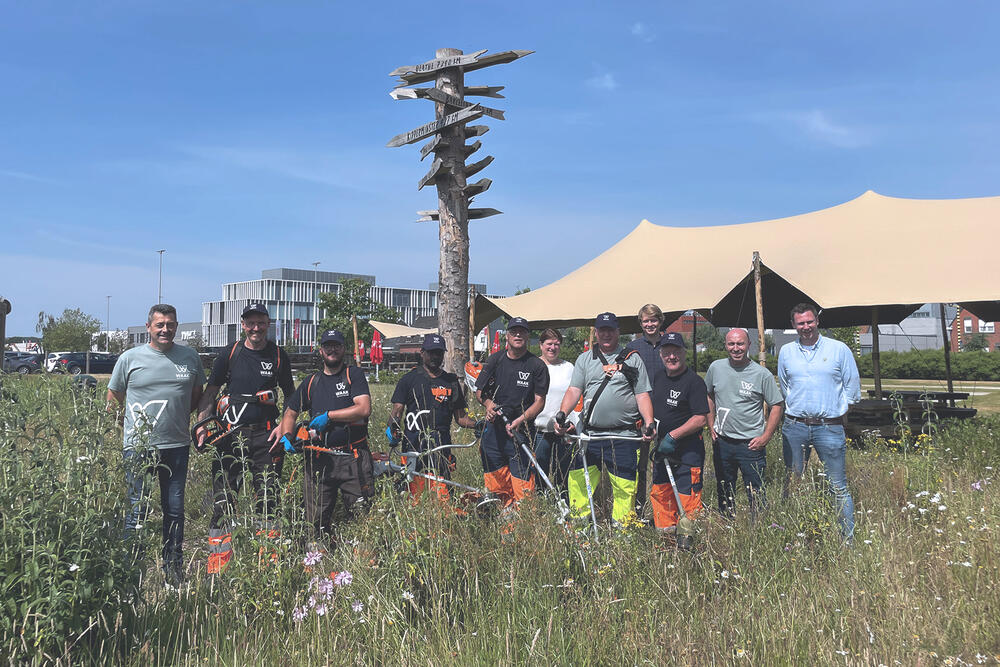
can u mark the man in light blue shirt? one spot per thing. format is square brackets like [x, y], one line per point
[819, 379]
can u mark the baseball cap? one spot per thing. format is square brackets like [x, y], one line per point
[433, 342]
[332, 335]
[606, 320]
[673, 338]
[255, 309]
[518, 322]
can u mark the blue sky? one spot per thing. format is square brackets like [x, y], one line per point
[248, 135]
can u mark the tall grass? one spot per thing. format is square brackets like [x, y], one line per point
[428, 585]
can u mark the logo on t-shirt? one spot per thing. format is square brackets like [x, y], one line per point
[341, 390]
[441, 394]
[746, 388]
[265, 368]
[674, 395]
[522, 378]
[143, 417]
[413, 419]
[182, 371]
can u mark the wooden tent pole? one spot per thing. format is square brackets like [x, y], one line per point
[354, 323]
[876, 370]
[947, 351]
[759, 295]
[472, 323]
[694, 339]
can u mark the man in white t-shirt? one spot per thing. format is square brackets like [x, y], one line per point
[552, 451]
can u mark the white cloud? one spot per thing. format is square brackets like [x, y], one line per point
[25, 176]
[604, 81]
[642, 32]
[817, 125]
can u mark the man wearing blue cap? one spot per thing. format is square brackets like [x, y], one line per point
[615, 389]
[339, 404]
[512, 388]
[430, 398]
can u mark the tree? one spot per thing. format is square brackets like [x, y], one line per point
[70, 332]
[846, 335]
[118, 342]
[195, 342]
[353, 299]
[975, 342]
[710, 337]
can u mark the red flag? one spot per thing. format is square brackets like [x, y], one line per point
[586, 345]
[496, 342]
[376, 353]
[361, 349]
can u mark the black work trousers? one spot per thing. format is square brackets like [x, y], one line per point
[247, 448]
[346, 473]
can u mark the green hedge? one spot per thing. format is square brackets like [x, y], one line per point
[929, 365]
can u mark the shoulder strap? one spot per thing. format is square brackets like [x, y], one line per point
[631, 377]
[232, 355]
[309, 387]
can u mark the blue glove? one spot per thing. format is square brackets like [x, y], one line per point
[320, 423]
[667, 446]
[392, 435]
[287, 443]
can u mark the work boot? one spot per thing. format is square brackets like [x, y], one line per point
[685, 542]
[173, 575]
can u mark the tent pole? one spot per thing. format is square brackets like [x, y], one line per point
[472, 323]
[876, 369]
[759, 294]
[694, 339]
[947, 352]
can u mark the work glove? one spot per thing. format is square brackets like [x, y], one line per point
[479, 428]
[289, 446]
[392, 435]
[560, 418]
[320, 423]
[667, 446]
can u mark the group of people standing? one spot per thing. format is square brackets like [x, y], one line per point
[616, 400]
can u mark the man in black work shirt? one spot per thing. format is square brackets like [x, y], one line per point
[430, 397]
[251, 371]
[513, 382]
[338, 459]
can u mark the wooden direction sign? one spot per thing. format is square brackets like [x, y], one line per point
[477, 188]
[436, 64]
[472, 148]
[484, 91]
[424, 131]
[427, 71]
[474, 214]
[442, 97]
[432, 145]
[477, 167]
[476, 130]
[431, 177]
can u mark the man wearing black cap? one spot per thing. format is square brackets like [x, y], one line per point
[430, 398]
[682, 409]
[615, 389]
[512, 388]
[251, 371]
[338, 459]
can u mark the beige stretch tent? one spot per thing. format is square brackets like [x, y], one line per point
[389, 330]
[871, 251]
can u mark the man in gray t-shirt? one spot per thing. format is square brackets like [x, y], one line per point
[156, 388]
[738, 390]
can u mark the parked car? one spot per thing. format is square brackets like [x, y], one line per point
[20, 362]
[51, 358]
[75, 363]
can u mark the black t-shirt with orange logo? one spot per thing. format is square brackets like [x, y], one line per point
[429, 403]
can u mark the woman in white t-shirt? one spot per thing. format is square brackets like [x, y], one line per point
[552, 451]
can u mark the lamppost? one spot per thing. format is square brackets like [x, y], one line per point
[159, 292]
[107, 327]
[315, 300]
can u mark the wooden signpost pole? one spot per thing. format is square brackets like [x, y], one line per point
[4, 311]
[354, 325]
[876, 370]
[448, 173]
[947, 351]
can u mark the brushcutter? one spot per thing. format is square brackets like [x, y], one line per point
[519, 438]
[582, 439]
[225, 418]
[685, 524]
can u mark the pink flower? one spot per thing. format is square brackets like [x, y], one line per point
[343, 578]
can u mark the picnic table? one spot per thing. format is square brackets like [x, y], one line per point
[916, 406]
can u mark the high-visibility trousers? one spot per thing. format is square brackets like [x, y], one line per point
[621, 460]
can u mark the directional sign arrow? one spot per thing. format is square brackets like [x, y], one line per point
[476, 167]
[432, 145]
[440, 96]
[484, 91]
[436, 64]
[414, 74]
[429, 179]
[477, 188]
[424, 131]
[474, 214]
[472, 148]
[476, 130]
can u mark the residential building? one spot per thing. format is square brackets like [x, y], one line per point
[138, 335]
[920, 331]
[965, 325]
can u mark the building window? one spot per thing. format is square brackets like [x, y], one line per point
[987, 327]
[968, 325]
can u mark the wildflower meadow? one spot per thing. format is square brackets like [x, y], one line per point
[427, 584]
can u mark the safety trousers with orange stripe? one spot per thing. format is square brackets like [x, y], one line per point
[687, 474]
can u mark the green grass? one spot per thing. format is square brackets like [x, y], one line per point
[436, 588]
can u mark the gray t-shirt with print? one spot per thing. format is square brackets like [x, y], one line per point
[739, 395]
[157, 387]
[616, 410]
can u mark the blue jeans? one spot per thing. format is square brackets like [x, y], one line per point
[170, 467]
[554, 456]
[798, 439]
[731, 457]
